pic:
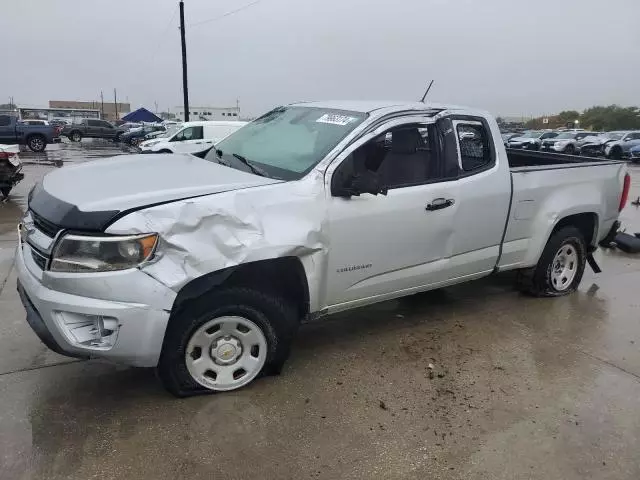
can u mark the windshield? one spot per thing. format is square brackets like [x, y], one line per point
[562, 135]
[287, 142]
[170, 131]
[613, 135]
[532, 134]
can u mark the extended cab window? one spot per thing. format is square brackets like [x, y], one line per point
[94, 123]
[475, 151]
[189, 133]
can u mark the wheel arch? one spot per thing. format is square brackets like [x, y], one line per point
[586, 222]
[284, 276]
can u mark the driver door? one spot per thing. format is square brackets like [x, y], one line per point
[383, 246]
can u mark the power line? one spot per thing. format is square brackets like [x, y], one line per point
[163, 36]
[231, 12]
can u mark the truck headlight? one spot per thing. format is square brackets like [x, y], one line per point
[83, 253]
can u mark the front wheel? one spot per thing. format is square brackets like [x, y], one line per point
[615, 153]
[560, 267]
[570, 150]
[225, 340]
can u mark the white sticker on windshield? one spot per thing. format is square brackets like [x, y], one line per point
[335, 119]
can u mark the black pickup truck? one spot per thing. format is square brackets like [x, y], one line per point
[36, 137]
[91, 128]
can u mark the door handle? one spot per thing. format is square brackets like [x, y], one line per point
[197, 143]
[440, 203]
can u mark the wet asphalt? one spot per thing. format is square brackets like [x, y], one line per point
[521, 388]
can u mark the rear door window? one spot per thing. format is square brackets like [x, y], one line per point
[474, 146]
[5, 120]
[94, 123]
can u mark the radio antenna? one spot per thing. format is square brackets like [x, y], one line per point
[427, 92]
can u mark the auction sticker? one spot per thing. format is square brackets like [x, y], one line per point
[335, 119]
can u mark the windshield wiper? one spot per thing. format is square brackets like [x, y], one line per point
[253, 168]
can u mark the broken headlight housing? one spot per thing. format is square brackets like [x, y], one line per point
[82, 253]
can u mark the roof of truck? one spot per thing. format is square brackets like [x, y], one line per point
[368, 106]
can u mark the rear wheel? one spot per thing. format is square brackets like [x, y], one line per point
[36, 143]
[76, 137]
[560, 267]
[165, 150]
[570, 150]
[225, 340]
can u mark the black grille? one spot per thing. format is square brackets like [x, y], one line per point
[40, 260]
[46, 227]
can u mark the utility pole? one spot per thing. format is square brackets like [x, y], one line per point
[156, 104]
[185, 89]
[101, 105]
[115, 103]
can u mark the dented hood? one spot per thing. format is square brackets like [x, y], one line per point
[132, 181]
[87, 196]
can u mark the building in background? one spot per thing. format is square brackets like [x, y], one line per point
[109, 112]
[67, 115]
[208, 113]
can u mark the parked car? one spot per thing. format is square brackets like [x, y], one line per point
[205, 267]
[566, 142]
[10, 168]
[32, 121]
[192, 137]
[136, 135]
[508, 136]
[36, 137]
[619, 144]
[56, 122]
[89, 128]
[634, 154]
[530, 140]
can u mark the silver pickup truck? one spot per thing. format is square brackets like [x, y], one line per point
[205, 267]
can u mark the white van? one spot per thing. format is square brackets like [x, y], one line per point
[190, 137]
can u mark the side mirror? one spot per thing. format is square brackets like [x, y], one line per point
[368, 182]
[355, 185]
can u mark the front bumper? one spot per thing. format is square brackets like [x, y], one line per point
[81, 326]
[553, 147]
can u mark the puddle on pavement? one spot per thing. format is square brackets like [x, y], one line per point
[37, 165]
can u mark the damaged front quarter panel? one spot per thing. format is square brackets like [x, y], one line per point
[206, 234]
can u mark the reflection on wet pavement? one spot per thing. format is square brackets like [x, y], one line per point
[36, 165]
[521, 388]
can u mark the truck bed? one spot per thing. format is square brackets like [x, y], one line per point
[519, 160]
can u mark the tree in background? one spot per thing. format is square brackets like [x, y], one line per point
[610, 118]
[598, 118]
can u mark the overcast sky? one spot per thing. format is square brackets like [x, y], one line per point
[509, 56]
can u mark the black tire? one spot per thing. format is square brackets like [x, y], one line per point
[36, 143]
[117, 137]
[75, 136]
[5, 191]
[277, 319]
[165, 150]
[536, 281]
[615, 153]
[570, 150]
